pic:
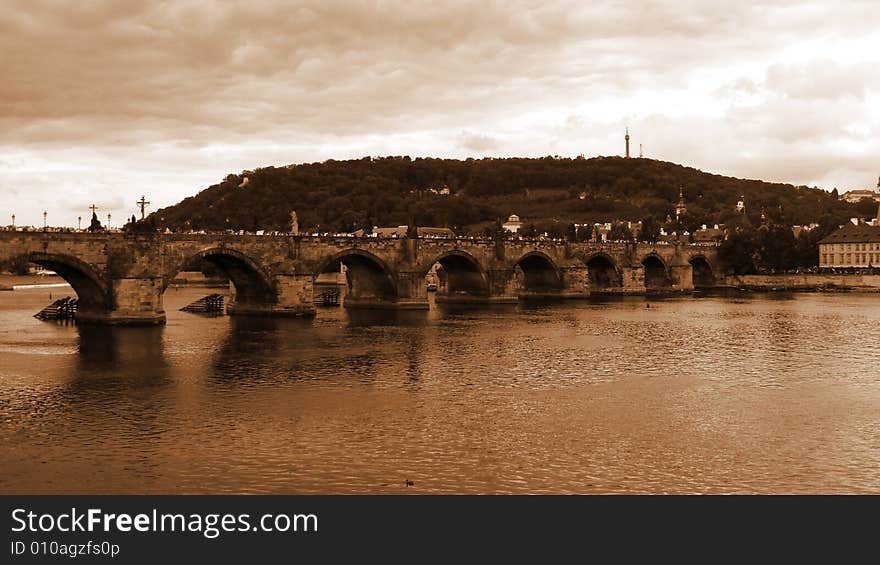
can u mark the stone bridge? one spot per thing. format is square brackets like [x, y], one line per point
[121, 278]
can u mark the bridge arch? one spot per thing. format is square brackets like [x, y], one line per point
[460, 273]
[703, 273]
[656, 271]
[603, 271]
[367, 276]
[90, 287]
[253, 285]
[539, 273]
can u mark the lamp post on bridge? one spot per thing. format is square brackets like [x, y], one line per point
[45, 224]
[79, 223]
[108, 221]
[13, 222]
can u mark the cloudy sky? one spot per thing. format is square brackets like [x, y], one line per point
[102, 101]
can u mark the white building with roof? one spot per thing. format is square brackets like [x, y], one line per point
[513, 224]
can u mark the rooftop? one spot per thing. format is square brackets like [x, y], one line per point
[851, 233]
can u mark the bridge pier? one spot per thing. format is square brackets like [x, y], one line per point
[294, 299]
[633, 279]
[575, 282]
[135, 302]
[682, 276]
[498, 287]
[572, 283]
[503, 287]
[631, 283]
[411, 291]
[409, 287]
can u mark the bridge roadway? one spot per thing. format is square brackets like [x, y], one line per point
[121, 278]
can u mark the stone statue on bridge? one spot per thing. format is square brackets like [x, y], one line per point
[294, 223]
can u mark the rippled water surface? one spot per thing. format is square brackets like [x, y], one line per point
[758, 393]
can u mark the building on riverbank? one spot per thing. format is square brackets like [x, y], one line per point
[852, 246]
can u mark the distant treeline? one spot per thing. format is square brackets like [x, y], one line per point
[549, 192]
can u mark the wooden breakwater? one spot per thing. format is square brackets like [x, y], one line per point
[211, 304]
[326, 294]
[61, 309]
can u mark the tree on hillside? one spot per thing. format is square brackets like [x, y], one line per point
[738, 252]
[650, 230]
[584, 233]
[806, 250]
[554, 230]
[529, 230]
[390, 191]
[620, 232]
[867, 207]
[775, 246]
[141, 226]
[495, 231]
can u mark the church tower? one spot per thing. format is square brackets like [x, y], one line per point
[680, 208]
[626, 137]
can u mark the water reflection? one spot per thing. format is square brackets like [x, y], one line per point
[101, 347]
[365, 317]
[253, 348]
[720, 394]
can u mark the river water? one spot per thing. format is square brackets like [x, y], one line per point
[743, 394]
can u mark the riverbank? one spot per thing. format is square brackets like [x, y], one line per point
[196, 278]
[7, 282]
[804, 283]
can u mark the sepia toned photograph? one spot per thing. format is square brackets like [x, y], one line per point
[439, 248]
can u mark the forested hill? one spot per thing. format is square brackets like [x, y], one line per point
[342, 196]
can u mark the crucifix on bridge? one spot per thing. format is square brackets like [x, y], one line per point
[93, 208]
[142, 203]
